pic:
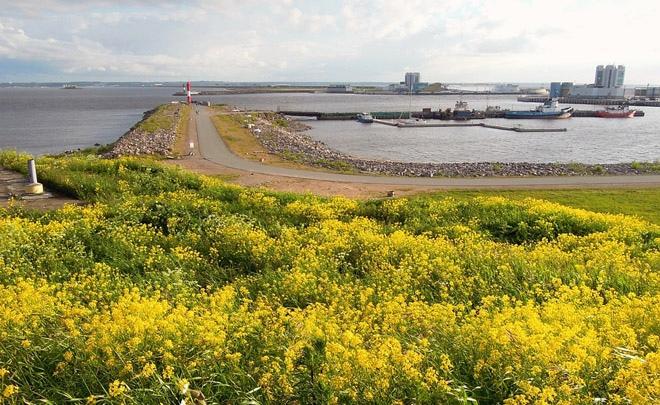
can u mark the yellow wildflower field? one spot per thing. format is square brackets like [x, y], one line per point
[171, 287]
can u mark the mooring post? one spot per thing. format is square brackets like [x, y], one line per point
[32, 171]
[34, 187]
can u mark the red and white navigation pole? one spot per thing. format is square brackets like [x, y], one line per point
[188, 93]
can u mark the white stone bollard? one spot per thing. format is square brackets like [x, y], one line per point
[34, 187]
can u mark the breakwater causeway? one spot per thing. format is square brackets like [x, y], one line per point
[291, 141]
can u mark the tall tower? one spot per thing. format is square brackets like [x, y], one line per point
[600, 76]
[610, 76]
[412, 79]
[620, 75]
[188, 94]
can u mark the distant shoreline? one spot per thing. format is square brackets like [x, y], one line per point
[323, 90]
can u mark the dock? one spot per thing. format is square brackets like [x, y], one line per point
[595, 101]
[427, 113]
[455, 125]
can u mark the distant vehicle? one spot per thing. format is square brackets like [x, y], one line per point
[365, 118]
[549, 110]
[622, 111]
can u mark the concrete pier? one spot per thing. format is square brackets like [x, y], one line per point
[480, 124]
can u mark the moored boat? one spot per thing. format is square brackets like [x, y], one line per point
[549, 110]
[461, 111]
[622, 111]
[365, 118]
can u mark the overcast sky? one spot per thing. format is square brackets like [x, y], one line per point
[290, 40]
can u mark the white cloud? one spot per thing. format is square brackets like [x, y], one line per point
[447, 40]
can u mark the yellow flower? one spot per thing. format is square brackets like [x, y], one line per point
[117, 388]
[91, 400]
[168, 372]
[68, 356]
[3, 372]
[183, 386]
[9, 391]
[26, 344]
[148, 370]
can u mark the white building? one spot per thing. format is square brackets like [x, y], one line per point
[590, 90]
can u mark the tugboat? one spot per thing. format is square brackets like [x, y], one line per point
[622, 111]
[365, 118]
[549, 110]
[461, 112]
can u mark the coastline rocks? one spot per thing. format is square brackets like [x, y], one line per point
[138, 141]
[289, 142]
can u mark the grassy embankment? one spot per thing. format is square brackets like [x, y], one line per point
[161, 118]
[172, 286]
[181, 146]
[642, 202]
[232, 127]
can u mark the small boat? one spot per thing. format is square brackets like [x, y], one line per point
[365, 118]
[461, 112]
[622, 111]
[410, 122]
[549, 110]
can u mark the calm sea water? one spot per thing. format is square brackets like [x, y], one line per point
[53, 120]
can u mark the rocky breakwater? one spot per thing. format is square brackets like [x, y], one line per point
[154, 135]
[285, 137]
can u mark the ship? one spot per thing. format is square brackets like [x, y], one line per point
[506, 88]
[461, 111]
[622, 111]
[549, 110]
[365, 118]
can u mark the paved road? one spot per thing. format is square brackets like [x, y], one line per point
[213, 148]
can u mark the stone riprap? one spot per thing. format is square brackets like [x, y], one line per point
[139, 141]
[291, 143]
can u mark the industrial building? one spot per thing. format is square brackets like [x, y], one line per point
[555, 89]
[560, 89]
[648, 92]
[412, 79]
[339, 88]
[411, 83]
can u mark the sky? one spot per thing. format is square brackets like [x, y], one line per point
[471, 41]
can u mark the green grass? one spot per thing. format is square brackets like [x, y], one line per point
[642, 202]
[161, 118]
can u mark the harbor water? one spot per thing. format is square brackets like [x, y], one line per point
[51, 120]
